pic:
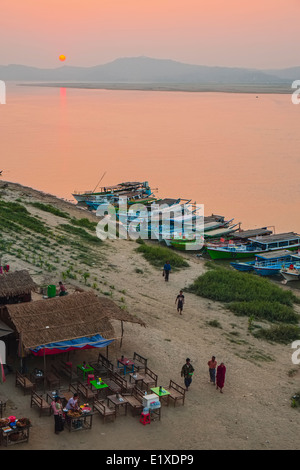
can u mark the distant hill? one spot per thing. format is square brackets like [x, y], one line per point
[290, 74]
[145, 69]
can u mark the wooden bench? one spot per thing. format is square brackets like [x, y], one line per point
[24, 382]
[135, 400]
[177, 392]
[140, 362]
[39, 401]
[66, 370]
[102, 366]
[53, 378]
[113, 386]
[149, 378]
[126, 387]
[104, 410]
[85, 391]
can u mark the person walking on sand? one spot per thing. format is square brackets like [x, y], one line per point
[187, 372]
[212, 364]
[179, 301]
[221, 371]
[166, 270]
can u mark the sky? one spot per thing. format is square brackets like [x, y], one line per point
[256, 34]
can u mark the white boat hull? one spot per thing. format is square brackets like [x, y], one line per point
[290, 274]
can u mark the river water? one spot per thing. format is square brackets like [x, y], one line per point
[238, 154]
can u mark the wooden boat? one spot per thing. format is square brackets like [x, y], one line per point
[182, 243]
[289, 241]
[268, 264]
[243, 266]
[111, 191]
[187, 245]
[220, 232]
[244, 235]
[291, 273]
[129, 199]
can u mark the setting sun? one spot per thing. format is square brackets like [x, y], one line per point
[62, 57]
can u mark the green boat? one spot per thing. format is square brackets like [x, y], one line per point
[187, 245]
[255, 246]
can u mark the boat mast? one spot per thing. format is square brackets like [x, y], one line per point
[99, 181]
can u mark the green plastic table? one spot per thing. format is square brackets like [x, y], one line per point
[98, 385]
[161, 394]
[85, 370]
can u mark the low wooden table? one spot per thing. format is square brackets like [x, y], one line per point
[14, 436]
[38, 379]
[117, 402]
[135, 377]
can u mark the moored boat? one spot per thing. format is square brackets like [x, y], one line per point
[111, 192]
[268, 264]
[220, 232]
[195, 244]
[288, 241]
[291, 273]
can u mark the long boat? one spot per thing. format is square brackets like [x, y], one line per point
[131, 199]
[195, 244]
[111, 191]
[268, 264]
[187, 245]
[220, 232]
[288, 241]
[291, 273]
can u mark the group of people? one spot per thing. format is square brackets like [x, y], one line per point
[216, 373]
[59, 417]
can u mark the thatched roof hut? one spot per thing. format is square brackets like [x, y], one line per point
[16, 286]
[74, 316]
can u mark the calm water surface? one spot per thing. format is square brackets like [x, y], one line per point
[237, 154]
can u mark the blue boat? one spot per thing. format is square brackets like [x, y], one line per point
[270, 263]
[244, 267]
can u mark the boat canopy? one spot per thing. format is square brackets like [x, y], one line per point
[276, 241]
[281, 254]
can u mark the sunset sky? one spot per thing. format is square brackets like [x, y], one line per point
[259, 33]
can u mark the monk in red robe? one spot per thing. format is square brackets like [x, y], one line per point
[221, 370]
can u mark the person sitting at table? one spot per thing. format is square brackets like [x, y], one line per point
[73, 403]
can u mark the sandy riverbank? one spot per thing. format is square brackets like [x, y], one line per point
[254, 411]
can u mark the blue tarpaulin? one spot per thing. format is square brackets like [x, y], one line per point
[87, 342]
